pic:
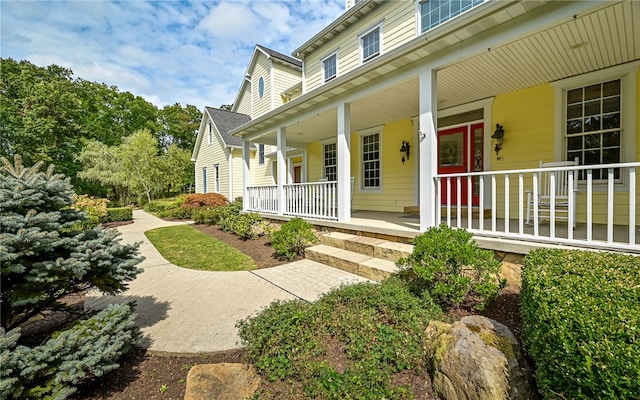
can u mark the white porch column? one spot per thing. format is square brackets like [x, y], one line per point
[303, 177]
[428, 149]
[344, 162]
[246, 166]
[282, 167]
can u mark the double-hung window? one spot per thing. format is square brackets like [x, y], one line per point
[209, 133]
[216, 171]
[330, 67]
[371, 161]
[593, 125]
[437, 12]
[204, 180]
[260, 154]
[370, 44]
[330, 162]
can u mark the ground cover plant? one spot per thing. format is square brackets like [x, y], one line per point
[187, 247]
[448, 264]
[46, 256]
[373, 331]
[580, 320]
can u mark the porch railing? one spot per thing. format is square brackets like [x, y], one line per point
[606, 207]
[312, 200]
[316, 200]
[263, 199]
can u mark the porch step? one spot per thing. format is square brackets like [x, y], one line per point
[368, 267]
[475, 211]
[368, 257]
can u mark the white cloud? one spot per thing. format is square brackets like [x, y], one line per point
[166, 51]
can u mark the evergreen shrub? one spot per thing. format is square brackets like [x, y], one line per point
[119, 214]
[581, 322]
[206, 215]
[293, 237]
[247, 226]
[450, 266]
[90, 348]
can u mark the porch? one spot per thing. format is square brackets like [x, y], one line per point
[603, 211]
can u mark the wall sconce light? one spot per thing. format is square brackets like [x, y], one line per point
[498, 136]
[405, 149]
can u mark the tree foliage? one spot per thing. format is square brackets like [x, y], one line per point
[43, 257]
[47, 115]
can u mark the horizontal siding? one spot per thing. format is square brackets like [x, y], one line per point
[237, 164]
[284, 78]
[398, 27]
[262, 69]
[244, 101]
[208, 156]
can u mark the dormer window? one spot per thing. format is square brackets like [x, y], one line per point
[330, 67]
[434, 13]
[370, 44]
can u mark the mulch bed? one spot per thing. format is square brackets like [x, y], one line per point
[163, 376]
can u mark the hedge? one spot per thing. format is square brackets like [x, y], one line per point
[119, 214]
[581, 323]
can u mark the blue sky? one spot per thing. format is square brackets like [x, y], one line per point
[191, 52]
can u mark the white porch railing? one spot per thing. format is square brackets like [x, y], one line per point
[263, 199]
[312, 200]
[316, 200]
[615, 195]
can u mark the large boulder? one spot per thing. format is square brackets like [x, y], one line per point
[477, 358]
[225, 381]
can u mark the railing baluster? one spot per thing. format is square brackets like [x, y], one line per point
[552, 206]
[536, 193]
[458, 201]
[520, 203]
[632, 206]
[448, 201]
[481, 203]
[469, 203]
[610, 198]
[494, 208]
[589, 205]
[506, 202]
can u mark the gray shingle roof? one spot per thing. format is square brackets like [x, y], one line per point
[281, 56]
[226, 121]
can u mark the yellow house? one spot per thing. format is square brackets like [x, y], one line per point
[470, 113]
[271, 80]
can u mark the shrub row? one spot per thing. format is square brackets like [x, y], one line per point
[118, 214]
[581, 323]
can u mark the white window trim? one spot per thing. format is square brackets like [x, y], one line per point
[325, 58]
[205, 178]
[627, 73]
[379, 26]
[323, 143]
[264, 87]
[361, 134]
[216, 182]
[210, 132]
[264, 154]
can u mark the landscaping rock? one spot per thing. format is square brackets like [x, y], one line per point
[225, 381]
[477, 358]
[512, 272]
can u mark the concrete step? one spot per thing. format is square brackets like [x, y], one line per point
[356, 263]
[371, 247]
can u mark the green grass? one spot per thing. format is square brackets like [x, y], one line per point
[378, 328]
[187, 247]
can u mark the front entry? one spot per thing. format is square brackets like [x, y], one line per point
[459, 151]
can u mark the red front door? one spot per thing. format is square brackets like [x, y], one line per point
[460, 151]
[297, 174]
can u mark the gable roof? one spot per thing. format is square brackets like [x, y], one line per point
[270, 54]
[225, 122]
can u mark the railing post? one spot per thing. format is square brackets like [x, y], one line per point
[282, 168]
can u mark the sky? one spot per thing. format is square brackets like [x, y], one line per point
[187, 52]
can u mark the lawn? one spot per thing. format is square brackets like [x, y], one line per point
[187, 247]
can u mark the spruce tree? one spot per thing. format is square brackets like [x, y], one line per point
[44, 255]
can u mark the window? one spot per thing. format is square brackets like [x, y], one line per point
[437, 12]
[370, 44]
[330, 162]
[371, 161]
[210, 132]
[330, 67]
[261, 87]
[593, 125]
[261, 154]
[216, 171]
[204, 180]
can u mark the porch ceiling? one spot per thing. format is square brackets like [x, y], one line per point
[602, 38]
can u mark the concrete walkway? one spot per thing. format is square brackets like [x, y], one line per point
[187, 311]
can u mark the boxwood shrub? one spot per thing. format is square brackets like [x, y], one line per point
[119, 214]
[581, 323]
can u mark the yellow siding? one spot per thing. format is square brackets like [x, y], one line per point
[208, 156]
[237, 172]
[398, 27]
[527, 116]
[262, 174]
[284, 78]
[262, 69]
[244, 101]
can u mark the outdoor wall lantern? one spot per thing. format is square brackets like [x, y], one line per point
[498, 137]
[405, 149]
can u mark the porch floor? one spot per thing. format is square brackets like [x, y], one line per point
[408, 226]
